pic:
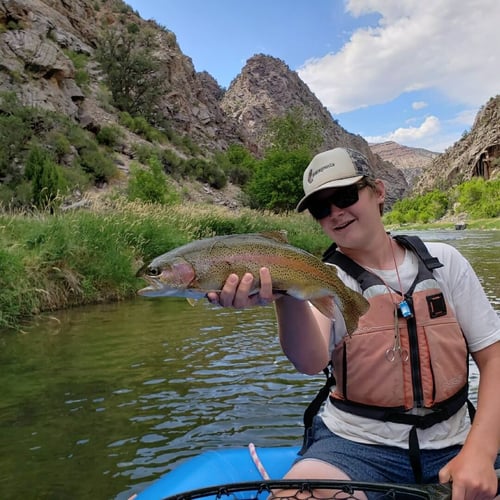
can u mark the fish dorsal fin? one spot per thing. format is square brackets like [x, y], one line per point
[281, 236]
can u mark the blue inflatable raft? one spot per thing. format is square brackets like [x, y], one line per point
[249, 474]
[220, 467]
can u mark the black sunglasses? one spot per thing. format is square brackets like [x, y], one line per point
[341, 197]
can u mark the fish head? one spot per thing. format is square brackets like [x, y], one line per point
[171, 278]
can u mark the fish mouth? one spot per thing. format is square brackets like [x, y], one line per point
[154, 286]
[151, 290]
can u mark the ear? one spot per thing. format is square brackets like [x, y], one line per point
[380, 190]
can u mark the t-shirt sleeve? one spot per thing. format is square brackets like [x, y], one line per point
[474, 312]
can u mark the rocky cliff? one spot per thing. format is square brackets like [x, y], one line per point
[38, 42]
[267, 88]
[476, 154]
[36, 37]
[411, 161]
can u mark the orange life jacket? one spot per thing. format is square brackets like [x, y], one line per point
[418, 376]
[384, 374]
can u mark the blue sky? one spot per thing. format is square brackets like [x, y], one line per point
[412, 71]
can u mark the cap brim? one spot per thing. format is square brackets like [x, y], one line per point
[302, 205]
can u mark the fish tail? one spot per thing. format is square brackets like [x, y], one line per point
[353, 309]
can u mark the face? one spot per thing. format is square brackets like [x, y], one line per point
[350, 215]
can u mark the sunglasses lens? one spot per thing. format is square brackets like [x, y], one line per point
[341, 198]
[346, 197]
[320, 210]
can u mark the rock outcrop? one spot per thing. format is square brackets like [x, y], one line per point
[267, 88]
[40, 38]
[476, 154]
[411, 161]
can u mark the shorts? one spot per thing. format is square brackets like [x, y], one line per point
[374, 463]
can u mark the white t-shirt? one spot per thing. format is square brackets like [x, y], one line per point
[481, 327]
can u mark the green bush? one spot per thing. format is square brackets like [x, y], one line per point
[150, 185]
[96, 163]
[237, 163]
[426, 208]
[140, 126]
[109, 135]
[479, 198]
[277, 182]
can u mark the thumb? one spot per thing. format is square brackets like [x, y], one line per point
[445, 475]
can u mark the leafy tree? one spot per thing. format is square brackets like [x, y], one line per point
[479, 198]
[133, 73]
[277, 182]
[237, 163]
[294, 131]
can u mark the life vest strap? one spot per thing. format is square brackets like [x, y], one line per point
[314, 406]
[440, 412]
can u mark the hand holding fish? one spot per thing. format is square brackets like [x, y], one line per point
[238, 293]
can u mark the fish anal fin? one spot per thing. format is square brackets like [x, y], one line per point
[325, 305]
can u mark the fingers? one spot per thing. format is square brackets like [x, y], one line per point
[444, 475]
[241, 293]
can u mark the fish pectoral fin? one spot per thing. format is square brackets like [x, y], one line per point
[325, 305]
[192, 302]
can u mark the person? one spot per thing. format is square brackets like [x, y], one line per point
[398, 412]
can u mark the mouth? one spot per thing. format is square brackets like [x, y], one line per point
[342, 226]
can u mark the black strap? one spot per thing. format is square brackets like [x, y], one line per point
[418, 246]
[442, 411]
[314, 406]
[414, 455]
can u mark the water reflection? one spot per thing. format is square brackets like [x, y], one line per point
[100, 401]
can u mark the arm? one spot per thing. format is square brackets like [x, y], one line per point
[304, 334]
[472, 470]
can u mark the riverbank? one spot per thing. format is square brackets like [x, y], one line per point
[92, 255]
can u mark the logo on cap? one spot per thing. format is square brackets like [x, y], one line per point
[314, 173]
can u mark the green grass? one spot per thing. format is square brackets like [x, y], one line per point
[50, 262]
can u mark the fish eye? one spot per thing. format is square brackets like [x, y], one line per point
[153, 271]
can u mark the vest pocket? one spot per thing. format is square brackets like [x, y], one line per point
[444, 373]
[364, 373]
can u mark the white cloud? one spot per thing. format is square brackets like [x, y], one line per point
[410, 135]
[465, 117]
[419, 105]
[441, 45]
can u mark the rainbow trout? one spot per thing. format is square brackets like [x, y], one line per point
[202, 266]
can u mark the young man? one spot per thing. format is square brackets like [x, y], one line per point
[398, 412]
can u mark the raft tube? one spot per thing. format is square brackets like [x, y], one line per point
[217, 467]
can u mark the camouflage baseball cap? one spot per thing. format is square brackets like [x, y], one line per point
[333, 168]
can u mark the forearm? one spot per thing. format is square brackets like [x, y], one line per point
[484, 436]
[303, 335]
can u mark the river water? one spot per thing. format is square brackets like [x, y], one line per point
[99, 401]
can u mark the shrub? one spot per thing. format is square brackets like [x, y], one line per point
[94, 162]
[150, 184]
[237, 163]
[277, 182]
[109, 135]
[45, 176]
